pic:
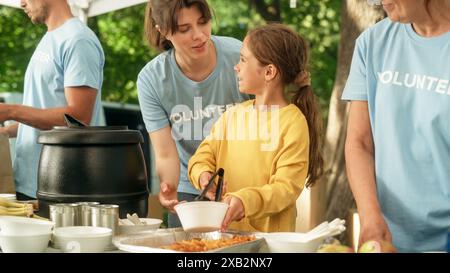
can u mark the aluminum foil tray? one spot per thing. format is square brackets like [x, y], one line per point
[152, 242]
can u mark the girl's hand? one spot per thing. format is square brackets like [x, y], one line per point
[235, 211]
[203, 181]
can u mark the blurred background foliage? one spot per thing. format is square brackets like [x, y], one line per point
[121, 34]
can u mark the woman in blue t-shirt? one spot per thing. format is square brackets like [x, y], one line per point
[184, 90]
[398, 139]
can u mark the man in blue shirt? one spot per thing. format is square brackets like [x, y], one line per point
[398, 140]
[64, 75]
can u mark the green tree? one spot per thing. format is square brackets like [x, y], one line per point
[126, 53]
[317, 21]
[18, 39]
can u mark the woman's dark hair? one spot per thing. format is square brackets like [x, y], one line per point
[164, 14]
[277, 44]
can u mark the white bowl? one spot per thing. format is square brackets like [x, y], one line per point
[23, 226]
[24, 243]
[150, 225]
[290, 242]
[8, 196]
[201, 216]
[82, 239]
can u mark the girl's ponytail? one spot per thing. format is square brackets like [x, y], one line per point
[305, 100]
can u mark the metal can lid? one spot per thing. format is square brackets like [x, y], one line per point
[64, 207]
[86, 206]
[105, 209]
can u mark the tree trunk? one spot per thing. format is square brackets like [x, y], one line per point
[356, 16]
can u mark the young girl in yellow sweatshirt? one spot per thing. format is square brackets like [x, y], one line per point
[268, 147]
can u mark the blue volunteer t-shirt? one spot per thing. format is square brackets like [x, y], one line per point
[405, 78]
[168, 98]
[68, 56]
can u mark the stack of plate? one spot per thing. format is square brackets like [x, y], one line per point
[8, 196]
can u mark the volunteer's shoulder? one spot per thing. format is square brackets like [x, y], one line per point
[156, 68]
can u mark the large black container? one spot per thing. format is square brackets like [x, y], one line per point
[101, 164]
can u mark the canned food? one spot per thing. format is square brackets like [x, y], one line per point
[105, 216]
[65, 215]
[85, 213]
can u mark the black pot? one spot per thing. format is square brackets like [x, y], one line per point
[101, 164]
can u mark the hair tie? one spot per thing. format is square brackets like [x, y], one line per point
[303, 79]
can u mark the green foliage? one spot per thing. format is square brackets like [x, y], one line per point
[319, 23]
[18, 39]
[126, 52]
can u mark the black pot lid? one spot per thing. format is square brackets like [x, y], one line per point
[90, 135]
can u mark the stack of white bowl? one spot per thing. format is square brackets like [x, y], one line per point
[8, 196]
[24, 235]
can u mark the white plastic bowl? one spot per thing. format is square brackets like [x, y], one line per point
[8, 196]
[82, 239]
[37, 243]
[290, 242]
[150, 225]
[201, 216]
[24, 226]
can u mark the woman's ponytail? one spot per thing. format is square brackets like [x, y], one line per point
[153, 36]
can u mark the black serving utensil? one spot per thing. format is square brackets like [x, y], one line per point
[219, 185]
[73, 122]
[202, 196]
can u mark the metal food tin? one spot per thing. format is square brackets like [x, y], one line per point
[65, 215]
[105, 216]
[85, 218]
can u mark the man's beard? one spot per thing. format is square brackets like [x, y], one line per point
[41, 15]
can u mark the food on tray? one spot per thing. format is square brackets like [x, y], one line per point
[197, 244]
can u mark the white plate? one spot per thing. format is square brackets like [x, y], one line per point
[8, 196]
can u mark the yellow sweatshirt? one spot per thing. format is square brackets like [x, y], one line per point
[265, 157]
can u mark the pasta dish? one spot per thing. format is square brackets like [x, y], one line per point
[198, 245]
